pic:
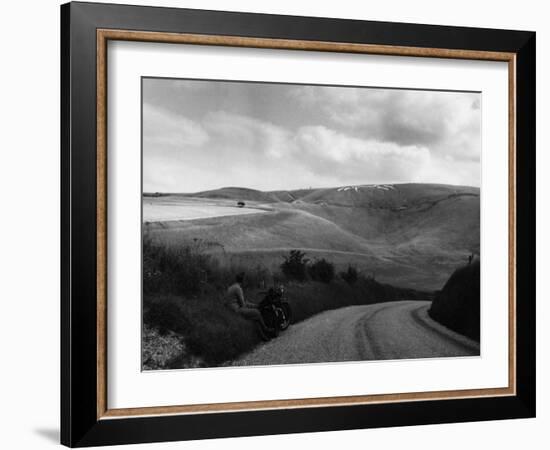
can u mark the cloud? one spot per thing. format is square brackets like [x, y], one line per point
[166, 130]
[307, 136]
[448, 122]
[226, 149]
[370, 160]
[244, 137]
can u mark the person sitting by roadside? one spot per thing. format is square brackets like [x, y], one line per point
[236, 301]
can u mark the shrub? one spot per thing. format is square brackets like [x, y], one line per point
[321, 270]
[295, 265]
[350, 276]
[457, 305]
[166, 315]
[211, 331]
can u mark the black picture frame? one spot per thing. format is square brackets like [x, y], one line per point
[80, 425]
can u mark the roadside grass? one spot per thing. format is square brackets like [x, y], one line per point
[211, 332]
[184, 289]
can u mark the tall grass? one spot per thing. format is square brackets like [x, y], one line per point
[213, 333]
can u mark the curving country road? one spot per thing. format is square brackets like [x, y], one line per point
[393, 330]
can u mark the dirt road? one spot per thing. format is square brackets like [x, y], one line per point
[394, 330]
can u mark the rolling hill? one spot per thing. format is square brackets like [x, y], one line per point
[236, 193]
[391, 196]
[412, 235]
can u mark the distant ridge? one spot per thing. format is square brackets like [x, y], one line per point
[386, 196]
[236, 193]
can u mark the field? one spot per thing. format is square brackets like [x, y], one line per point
[409, 235]
[173, 208]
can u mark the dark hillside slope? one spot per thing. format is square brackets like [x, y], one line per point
[457, 305]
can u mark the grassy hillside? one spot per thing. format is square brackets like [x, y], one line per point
[282, 228]
[383, 196]
[407, 234]
[387, 196]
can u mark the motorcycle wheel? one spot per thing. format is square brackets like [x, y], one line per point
[285, 322]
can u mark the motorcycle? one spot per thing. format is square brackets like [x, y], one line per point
[275, 309]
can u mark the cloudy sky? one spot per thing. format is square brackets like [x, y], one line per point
[200, 135]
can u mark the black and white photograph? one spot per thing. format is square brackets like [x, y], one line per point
[297, 224]
[275, 224]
